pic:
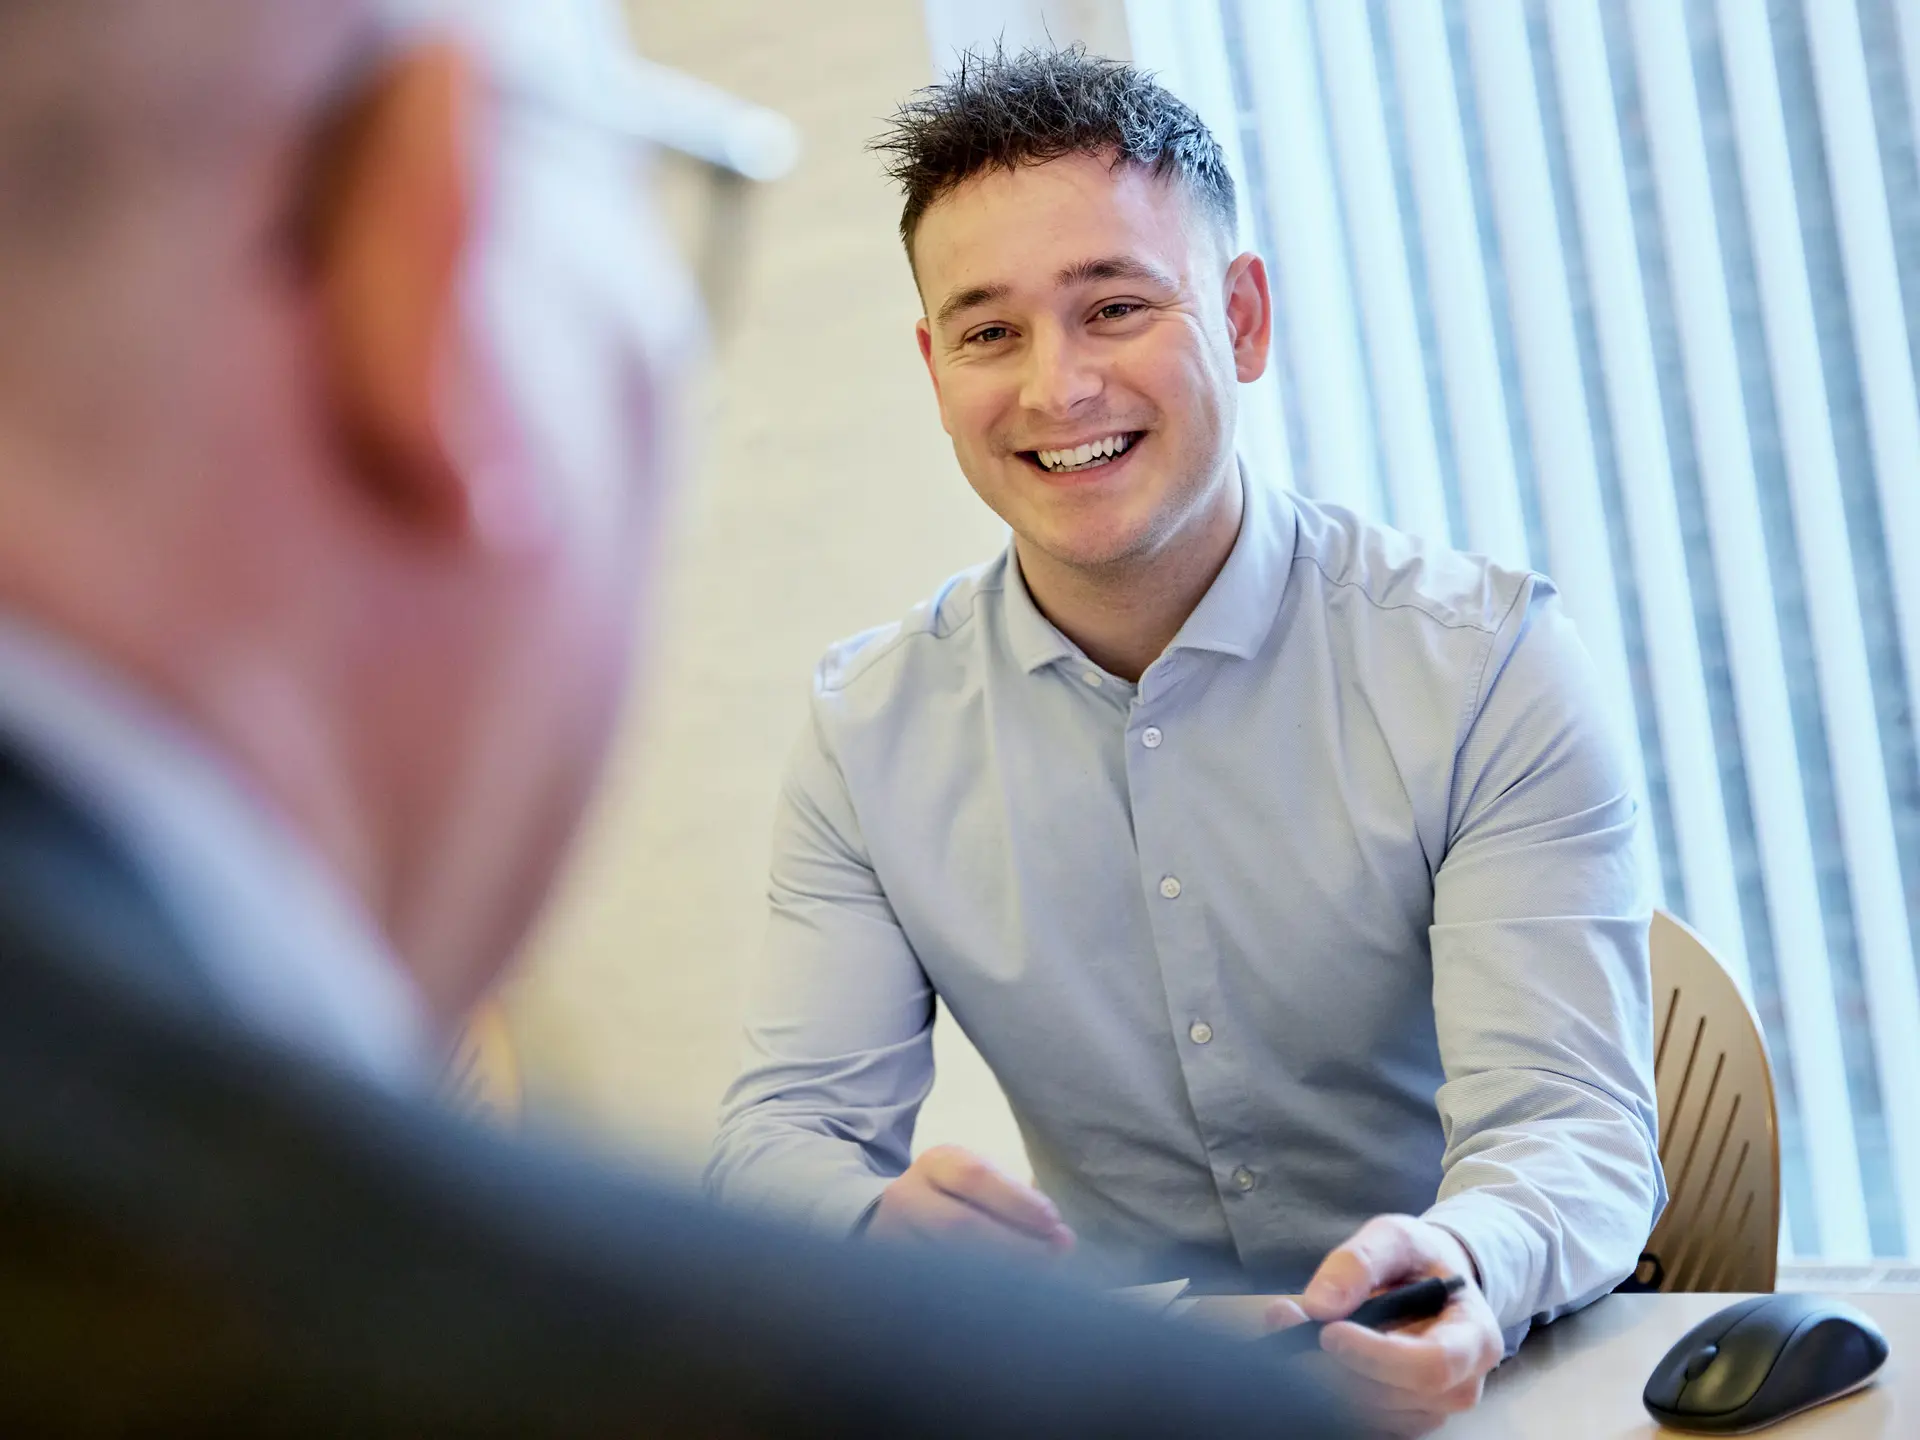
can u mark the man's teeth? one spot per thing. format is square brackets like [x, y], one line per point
[1084, 457]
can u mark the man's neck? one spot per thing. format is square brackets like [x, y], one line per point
[1125, 616]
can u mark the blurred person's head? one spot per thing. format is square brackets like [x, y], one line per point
[331, 414]
[1070, 225]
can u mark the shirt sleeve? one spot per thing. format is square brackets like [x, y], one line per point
[839, 1028]
[1541, 989]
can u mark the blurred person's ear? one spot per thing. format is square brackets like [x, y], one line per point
[394, 210]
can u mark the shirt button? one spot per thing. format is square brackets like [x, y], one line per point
[1243, 1178]
[1170, 887]
[1092, 677]
[1200, 1032]
[1150, 737]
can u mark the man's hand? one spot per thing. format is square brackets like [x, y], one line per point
[1414, 1377]
[950, 1195]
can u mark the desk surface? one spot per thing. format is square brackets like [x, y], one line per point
[1580, 1379]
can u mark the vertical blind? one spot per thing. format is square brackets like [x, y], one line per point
[1628, 291]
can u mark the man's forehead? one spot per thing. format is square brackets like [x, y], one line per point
[1054, 225]
[1050, 195]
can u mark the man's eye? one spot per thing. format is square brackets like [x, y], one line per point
[1118, 310]
[992, 334]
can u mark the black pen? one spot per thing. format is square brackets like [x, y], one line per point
[1421, 1300]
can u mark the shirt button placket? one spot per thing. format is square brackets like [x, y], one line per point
[1199, 1032]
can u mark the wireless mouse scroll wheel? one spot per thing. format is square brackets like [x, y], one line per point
[1702, 1358]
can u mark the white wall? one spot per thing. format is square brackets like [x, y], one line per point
[954, 25]
[827, 500]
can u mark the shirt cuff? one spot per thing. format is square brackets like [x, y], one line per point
[849, 1205]
[834, 1198]
[1498, 1248]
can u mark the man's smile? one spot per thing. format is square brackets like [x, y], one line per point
[1092, 454]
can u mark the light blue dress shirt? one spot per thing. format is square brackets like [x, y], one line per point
[1337, 912]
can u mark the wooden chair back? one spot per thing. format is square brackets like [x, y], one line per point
[482, 1077]
[1719, 1127]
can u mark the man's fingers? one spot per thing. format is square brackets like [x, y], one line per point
[1342, 1282]
[1437, 1359]
[967, 1178]
[1381, 1252]
[949, 1195]
[1284, 1314]
[1410, 1379]
[947, 1220]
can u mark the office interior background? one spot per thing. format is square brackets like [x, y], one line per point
[1624, 290]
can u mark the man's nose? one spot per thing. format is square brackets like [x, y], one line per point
[1060, 376]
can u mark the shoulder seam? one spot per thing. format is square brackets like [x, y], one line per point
[866, 661]
[1379, 604]
[1478, 697]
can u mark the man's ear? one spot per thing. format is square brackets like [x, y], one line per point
[923, 333]
[1249, 315]
[391, 213]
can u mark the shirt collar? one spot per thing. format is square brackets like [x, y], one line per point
[1036, 641]
[1234, 617]
[279, 937]
[1236, 614]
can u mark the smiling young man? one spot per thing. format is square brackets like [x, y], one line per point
[1279, 864]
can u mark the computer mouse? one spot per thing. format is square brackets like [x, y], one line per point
[1762, 1360]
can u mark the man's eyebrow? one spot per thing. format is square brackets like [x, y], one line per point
[1115, 267]
[966, 299]
[1107, 267]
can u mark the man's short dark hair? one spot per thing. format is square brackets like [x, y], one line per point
[1001, 111]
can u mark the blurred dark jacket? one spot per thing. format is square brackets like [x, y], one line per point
[203, 1232]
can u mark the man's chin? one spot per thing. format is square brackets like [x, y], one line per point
[1088, 547]
[1081, 529]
